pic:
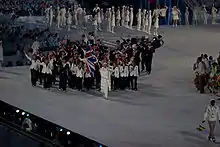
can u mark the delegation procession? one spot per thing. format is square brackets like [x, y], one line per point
[102, 61]
[76, 17]
[87, 63]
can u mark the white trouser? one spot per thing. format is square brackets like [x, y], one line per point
[109, 26]
[68, 27]
[205, 19]
[118, 22]
[95, 29]
[106, 90]
[138, 25]
[99, 26]
[62, 20]
[47, 20]
[105, 87]
[156, 31]
[126, 24]
[131, 24]
[122, 22]
[146, 29]
[143, 29]
[213, 20]
[51, 21]
[112, 29]
[149, 28]
[58, 22]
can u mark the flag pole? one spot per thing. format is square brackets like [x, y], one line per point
[177, 3]
[157, 3]
[148, 3]
[169, 12]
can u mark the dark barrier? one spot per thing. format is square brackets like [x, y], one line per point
[41, 130]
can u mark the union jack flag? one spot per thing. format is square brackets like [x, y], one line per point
[91, 59]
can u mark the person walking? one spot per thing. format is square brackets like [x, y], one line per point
[201, 70]
[211, 115]
[1, 54]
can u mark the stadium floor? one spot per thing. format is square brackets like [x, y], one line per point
[164, 112]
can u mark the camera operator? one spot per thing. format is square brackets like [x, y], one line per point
[27, 124]
[157, 42]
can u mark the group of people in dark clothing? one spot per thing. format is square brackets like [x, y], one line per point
[69, 66]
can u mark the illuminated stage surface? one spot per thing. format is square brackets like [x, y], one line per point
[164, 112]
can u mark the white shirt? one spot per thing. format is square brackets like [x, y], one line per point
[46, 68]
[207, 66]
[156, 13]
[131, 70]
[134, 71]
[63, 12]
[79, 72]
[118, 14]
[126, 71]
[212, 113]
[73, 69]
[96, 9]
[87, 75]
[104, 73]
[201, 68]
[163, 12]
[139, 15]
[47, 12]
[116, 72]
[79, 11]
[35, 46]
[34, 65]
[121, 70]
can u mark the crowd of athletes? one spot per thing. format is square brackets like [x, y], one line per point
[66, 65]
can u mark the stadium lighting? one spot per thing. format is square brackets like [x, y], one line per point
[27, 115]
[68, 133]
[100, 145]
[61, 130]
[17, 111]
[23, 113]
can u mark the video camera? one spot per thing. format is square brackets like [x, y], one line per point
[156, 42]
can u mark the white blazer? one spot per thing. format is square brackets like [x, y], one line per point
[212, 113]
[79, 72]
[121, 70]
[34, 65]
[73, 69]
[126, 71]
[134, 71]
[116, 72]
[46, 68]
